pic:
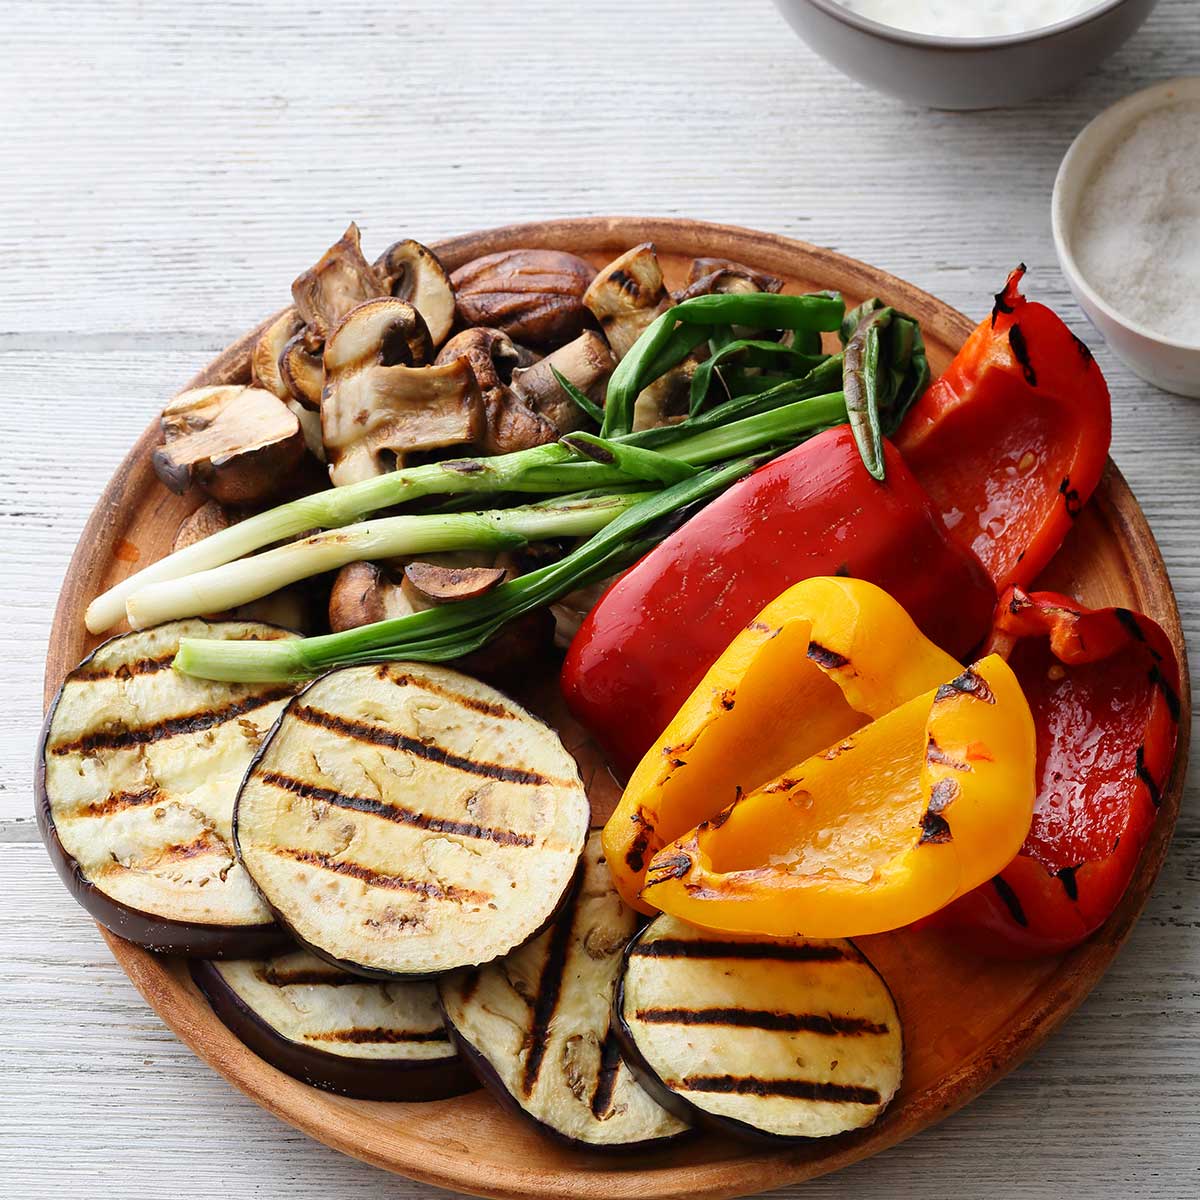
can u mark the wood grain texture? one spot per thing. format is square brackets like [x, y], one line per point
[167, 172]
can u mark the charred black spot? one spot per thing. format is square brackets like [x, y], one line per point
[600, 454]
[1011, 902]
[664, 869]
[1143, 773]
[728, 699]
[635, 856]
[625, 282]
[462, 466]
[831, 660]
[935, 754]
[1066, 876]
[678, 762]
[380, 879]
[549, 988]
[1071, 498]
[1130, 623]
[935, 829]
[378, 1036]
[944, 793]
[843, 571]
[606, 1077]
[142, 666]
[724, 815]
[1084, 350]
[1020, 349]
[759, 626]
[1168, 693]
[1001, 304]
[969, 683]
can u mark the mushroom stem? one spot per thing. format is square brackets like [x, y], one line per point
[389, 537]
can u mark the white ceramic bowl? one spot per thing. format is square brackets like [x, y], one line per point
[1165, 362]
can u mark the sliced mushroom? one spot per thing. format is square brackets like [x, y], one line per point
[412, 272]
[509, 422]
[211, 517]
[264, 359]
[382, 402]
[625, 298]
[535, 296]
[726, 270]
[587, 362]
[326, 292]
[240, 444]
[302, 371]
[443, 584]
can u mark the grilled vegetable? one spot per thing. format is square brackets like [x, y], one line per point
[404, 819]
[136, 780]
[1103, 686]
[796, 1038]
[815, 665]
[885, 826]
[1010, 442]
[336, 1031]
[534, 1026]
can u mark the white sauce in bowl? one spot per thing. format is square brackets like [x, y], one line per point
[969, 18]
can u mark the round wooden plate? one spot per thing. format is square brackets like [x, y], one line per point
[967, 1020]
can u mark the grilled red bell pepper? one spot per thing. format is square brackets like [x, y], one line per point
[1103, 686]
[813, 511]
[1010, 442]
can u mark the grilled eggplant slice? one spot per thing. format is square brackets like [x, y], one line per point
[534, 1026]
[137, 774]
[335, 1031]
[764, 1039]
[403, 819]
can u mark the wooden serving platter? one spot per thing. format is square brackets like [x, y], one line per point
[967, 1020]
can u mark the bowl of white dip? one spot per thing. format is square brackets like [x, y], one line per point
[966, 53]
[1126, 221]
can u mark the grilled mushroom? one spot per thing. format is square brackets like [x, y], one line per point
[240, 444]
[382, 402]
[708, 275]
[211, 517]
[302, 371]
[326, 292]
[625, 297]
[440, 584]
[509, 422]
[412, 272]
[535, 296]
[264, 359]
[587, 362]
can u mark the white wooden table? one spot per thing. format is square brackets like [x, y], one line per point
[166, 170]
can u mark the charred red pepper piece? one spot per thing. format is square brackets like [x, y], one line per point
[1011, 440]
[813, 511]
[1103, 686]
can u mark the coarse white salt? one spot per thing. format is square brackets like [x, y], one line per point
[1136, 236]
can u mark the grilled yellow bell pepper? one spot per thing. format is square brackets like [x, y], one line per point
[885, 826]
[821, 661]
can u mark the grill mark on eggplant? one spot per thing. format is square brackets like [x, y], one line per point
[795, 1089]
[139, 666]
[831, 660]
[375, 735]
[756, 951]
[395, 812]
[762, 1018]
[606, 1077]
[380, 879]
[1011, 901]
[206, 843]
[378, 1036]
[307, 976]
[969, 683]
[487, 708]
[117, 802]
[546, 1001]
[169, 727]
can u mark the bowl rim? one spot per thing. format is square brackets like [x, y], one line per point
[905, 37]
[1105, 129]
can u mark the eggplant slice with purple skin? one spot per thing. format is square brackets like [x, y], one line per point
[338, 1032]
[137, 774]
[404, 820]
[534, 1026]
[764, 1039]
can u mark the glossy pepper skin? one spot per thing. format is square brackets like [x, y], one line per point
[1103, 686]
[881, 829]
[816, 664]
[1011, 441]
[647, 643]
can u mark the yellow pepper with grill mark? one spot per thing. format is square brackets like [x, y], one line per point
[872, 779]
